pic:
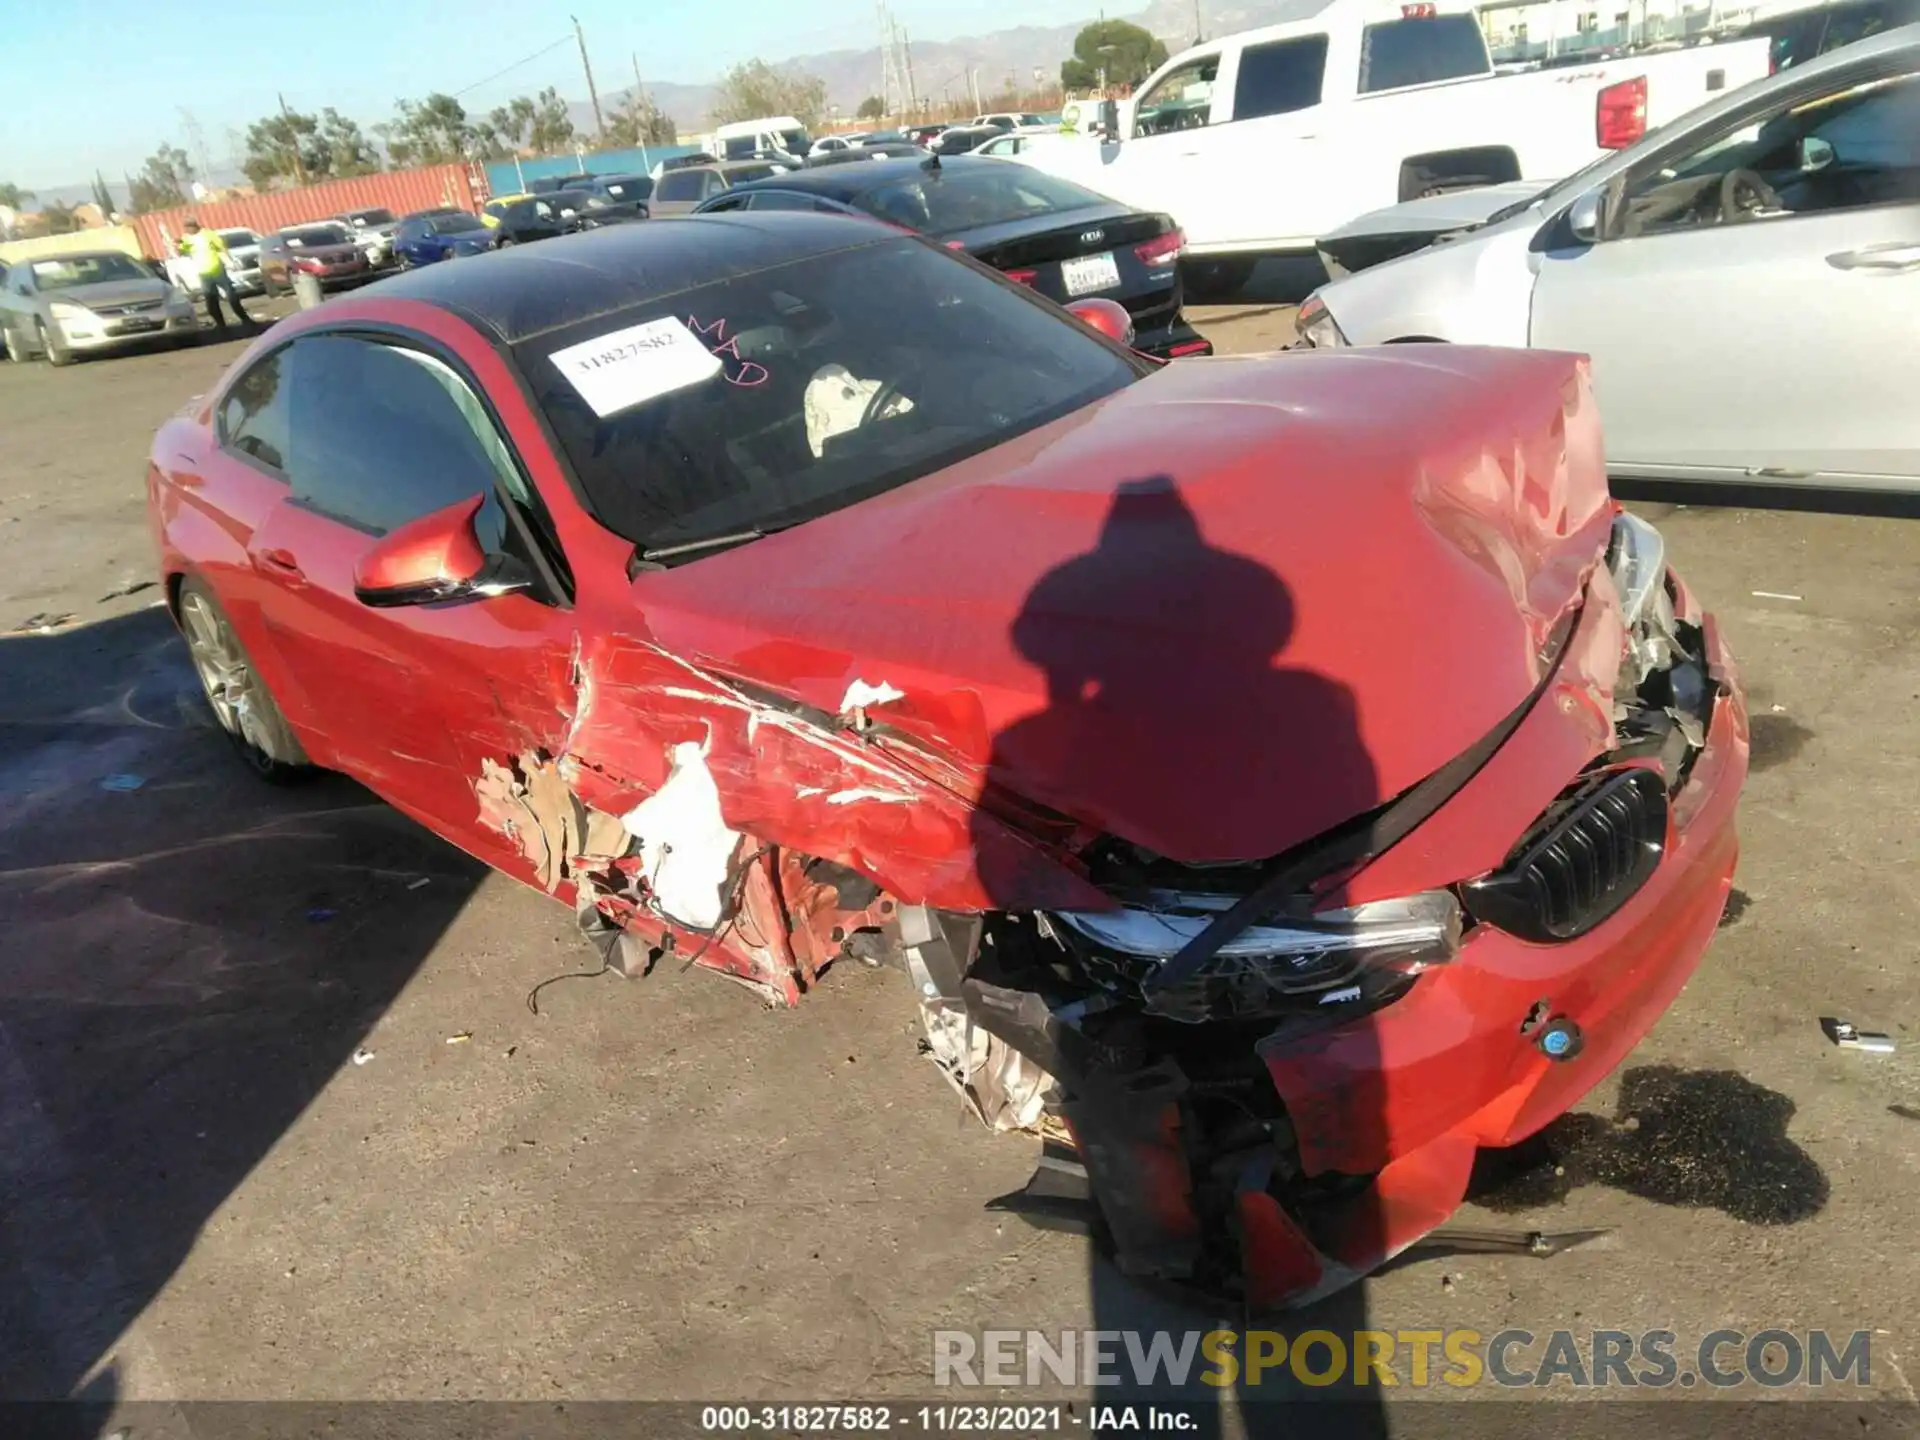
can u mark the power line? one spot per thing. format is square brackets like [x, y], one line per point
[523, 60]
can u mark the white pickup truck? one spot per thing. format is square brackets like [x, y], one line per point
[1262, 141]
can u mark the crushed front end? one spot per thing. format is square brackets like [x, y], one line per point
[1275, 1076]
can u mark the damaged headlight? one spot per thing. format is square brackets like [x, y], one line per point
[1335, 957]
[1316, 327]
[1637, 560]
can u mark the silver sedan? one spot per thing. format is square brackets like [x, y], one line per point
[1745, 279]
[63, 306]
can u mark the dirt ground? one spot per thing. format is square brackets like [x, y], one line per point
[276, 1120]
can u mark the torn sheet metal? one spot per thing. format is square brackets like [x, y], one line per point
[1004, 1088]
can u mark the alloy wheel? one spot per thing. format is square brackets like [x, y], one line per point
[225, 673]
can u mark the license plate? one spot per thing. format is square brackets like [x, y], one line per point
[1090, 273]
[129, 326]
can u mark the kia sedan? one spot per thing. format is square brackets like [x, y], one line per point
[1247, 777]
[1065, 242]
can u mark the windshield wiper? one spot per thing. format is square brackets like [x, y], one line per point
[653, 558]
[1519, 207]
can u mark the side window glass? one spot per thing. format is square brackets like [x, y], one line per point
[1856, 147]
[732, 202]
[253, 416]
[1280, 77]
[780, 200]
[378, 439]
[1181, 101]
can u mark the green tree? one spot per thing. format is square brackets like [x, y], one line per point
[347, 149]
[431, 131]
[102, 196]
[285, 148]
[504, 132]
[163, 181]
[1127, 53]
[13, 197]
[552, 130]
[871, 108]
[755, 90]
[59, 218]
[638, 121]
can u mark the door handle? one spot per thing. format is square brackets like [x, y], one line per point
[1893, 258]
[280, 562]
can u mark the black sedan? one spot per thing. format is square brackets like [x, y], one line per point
[542, 217]
[1062, 240]
[617, 197]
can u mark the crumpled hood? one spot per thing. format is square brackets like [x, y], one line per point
[1214, 614]
[1454, 210]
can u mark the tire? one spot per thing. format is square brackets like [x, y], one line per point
[242, 705]
[56, 353]
[15, 351]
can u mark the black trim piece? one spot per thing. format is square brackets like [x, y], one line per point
[1371, 834]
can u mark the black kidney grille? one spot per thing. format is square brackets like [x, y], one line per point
[1592, 850]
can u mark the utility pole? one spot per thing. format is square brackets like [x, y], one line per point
[973, 84]
[1198, 33]
[293, 140]
[913, 95]
[599, 123]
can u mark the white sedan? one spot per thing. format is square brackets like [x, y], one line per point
[1746, 280]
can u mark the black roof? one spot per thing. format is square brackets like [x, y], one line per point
[845, 182]
[527, 290]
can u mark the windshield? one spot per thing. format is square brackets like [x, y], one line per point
[943, 201]
[795, 142]
[71, 270]
[457, 224]
[741, 146]
[239, 237]
[632, 187]
[757, 402]
[318, 235]
[372, 217]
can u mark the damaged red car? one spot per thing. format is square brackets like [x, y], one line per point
[1276, 777]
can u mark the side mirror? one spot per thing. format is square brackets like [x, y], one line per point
[435, 559]
[1815, 154]
[1109, 317]
[1110, 119]
[1584, 216]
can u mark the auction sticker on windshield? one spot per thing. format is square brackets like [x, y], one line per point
[619, 370]
[1090, 273]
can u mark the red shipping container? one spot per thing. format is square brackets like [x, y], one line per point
[400, 191]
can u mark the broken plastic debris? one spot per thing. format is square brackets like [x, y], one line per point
[461, 1038]
[1773, 595]
[860, 695]
[132, 587]
[1843, 1034]
[362, 1055]
[419, 882]
[123, 783]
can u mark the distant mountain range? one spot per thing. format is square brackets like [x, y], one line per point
[940, 69]
[999, 59]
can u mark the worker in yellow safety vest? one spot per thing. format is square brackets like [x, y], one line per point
[209, 254]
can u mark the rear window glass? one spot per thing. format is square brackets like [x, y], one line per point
[941, 202]
[636, 189]
[457, 224]
[681, 185]
[1284, 76]
[318, 235]
[1419, 52]
[832, 378]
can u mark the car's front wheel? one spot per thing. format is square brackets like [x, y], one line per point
[56, 351]
[241, 702]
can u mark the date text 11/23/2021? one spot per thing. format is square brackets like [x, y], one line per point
[857, 1419]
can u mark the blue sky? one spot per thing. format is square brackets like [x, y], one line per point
[101, 83]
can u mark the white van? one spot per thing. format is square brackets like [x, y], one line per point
[769, 138]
